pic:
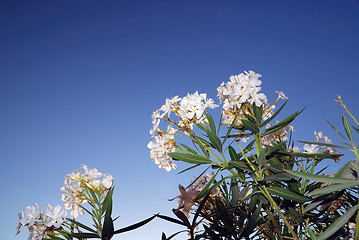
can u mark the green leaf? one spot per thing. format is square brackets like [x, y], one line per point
[203, 141]
[201, 127]
[252, 223]
[333, 188]
[312, 234]
[85, 235]
[274, 115]
[338, 223]
[182, 217]
[107, 202]
[188, 148]
[135, 226]
[344, 169]
[319, 178]
[250, 126]
[53, 237]
[336, 130]
[347, 128]
[281, 124]
[189, 168]
[258, 114]
[211, 123]
[207, 188]
[279, 177]
[233, 154]
[189, 158]
[325, 144]
[311, 155]
[229, 129]
[287, 194]
[107, 228]
[310, 206]
[215, 141]
[81, 225]
[170, 219]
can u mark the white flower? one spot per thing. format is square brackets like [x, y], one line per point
[19, 225]
[311, 148]
[37, 232]
[281, 95]
[192, 107]
[91, 173]
[160, 147]
[32, 214]
[107, 181]
[54, 216]
[294, 149]
[318, 135]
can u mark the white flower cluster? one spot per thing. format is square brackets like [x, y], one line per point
[40, 223]
[314, 148]
[278, 136]
[238, 90]
[190, 110]
[73, 192]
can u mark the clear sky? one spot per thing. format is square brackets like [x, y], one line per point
[79, 80]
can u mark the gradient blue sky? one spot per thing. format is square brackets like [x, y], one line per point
[79, 80]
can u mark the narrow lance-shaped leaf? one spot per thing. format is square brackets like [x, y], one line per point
[250, 126]
[325, 144]
[338, 223]
[81, 225]
[333, 188]
[215, 141]
[281, 124]
[170, 219]
[84, 235]
[108, 228]
[188, 148]
[189, 158]
[211, 123]
[347, 128]
[274, 115]
[232, 153]
[319, 178]
[287, 194]
[134, 226]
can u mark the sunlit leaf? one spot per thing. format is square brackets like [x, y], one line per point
[215, 141]
[190, 158]
[320, 178]
[250, 126]
[333, 188]
[211, 123]
[347, 128]
[188, 148]
[338, 223]
[281, 124]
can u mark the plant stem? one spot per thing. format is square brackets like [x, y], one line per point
[275, 205]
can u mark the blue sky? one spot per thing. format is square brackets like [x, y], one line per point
[79, 80]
